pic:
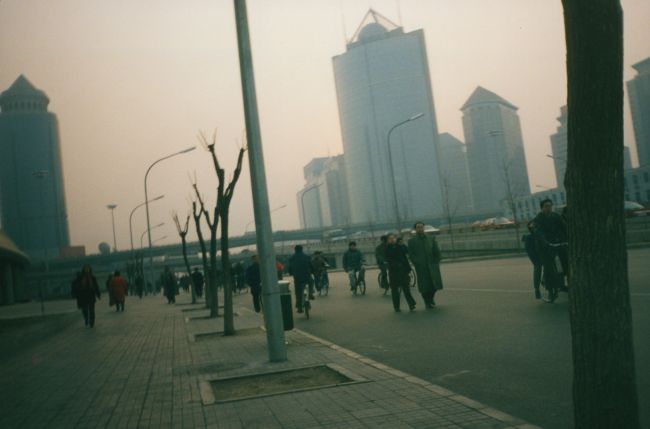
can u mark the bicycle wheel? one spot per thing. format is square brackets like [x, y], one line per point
[326, 286]
[362, 287]
[413, 280]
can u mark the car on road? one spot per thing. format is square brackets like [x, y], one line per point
[634, 209]
[496, 223]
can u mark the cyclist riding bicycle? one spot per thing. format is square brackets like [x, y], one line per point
[320, 265]
[352, 263]
[550, 231]
[380, 256]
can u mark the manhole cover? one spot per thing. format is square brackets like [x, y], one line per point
[207, 368]
[212, 335]
[275, 383]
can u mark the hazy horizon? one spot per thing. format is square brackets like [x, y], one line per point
[133, 81]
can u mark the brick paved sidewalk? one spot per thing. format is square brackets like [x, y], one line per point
[149, 367]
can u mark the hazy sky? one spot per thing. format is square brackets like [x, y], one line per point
[134, 80]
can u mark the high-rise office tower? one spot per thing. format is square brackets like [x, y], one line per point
[31, 173]
[381, 80]
[639, 93]
[454, 175]
[495, 149]
[559, 147]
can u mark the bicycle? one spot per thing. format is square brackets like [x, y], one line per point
[322, 282]
[360, 282]
[557, 281]
[306, 303]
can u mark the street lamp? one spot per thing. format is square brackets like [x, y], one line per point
[160, 197]
[146, 198]
[390, 166]
[41, 175]
[112, 208]
[302, 201]
[148, 230]
[159, 239]
[253, 221]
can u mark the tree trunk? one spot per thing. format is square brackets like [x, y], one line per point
[228, 314]
[188, 268]
[604, 386]
[212, 278]
[206, 267]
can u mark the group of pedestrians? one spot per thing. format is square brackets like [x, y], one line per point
[396, 261]
[547, 249]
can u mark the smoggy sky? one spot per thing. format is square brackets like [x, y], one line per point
[134, 80]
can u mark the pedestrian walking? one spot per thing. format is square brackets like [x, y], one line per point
[532, 251]
[254, 281]
[139, 285]
[380, 257]
[169, 286]
[118, 288]
[279, 269]
[399, 268]
[86, 290]
[425, 256]
[301, 269]
[198, 280]
[239, 276]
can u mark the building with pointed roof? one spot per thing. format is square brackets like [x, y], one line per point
[495, 150]
[638, 90]
[382, 79]
[32, 198]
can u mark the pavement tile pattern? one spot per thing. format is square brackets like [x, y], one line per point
[144, 369]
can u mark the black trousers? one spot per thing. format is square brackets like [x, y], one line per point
[88, 310]
[257, 297]
[395, 289]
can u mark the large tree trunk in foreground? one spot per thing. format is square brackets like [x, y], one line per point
[604, 386]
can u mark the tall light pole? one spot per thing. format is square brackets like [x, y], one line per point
[391, 169]
[112, 208]
[302, 200]
[41, 175]
[253, 221]
[146, 200]
[148, 231]
[160, 197]
[270, 291]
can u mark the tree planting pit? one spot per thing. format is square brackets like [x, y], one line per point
[252, 386]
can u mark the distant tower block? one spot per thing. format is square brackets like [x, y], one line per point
[32, 205]
[381, 80]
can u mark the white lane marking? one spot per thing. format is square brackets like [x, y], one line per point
[452, 374]
[644, 294]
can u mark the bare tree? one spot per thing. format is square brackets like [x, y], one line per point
[512, 193]
[196, 215]
[604, 379]
[449, 210]
[182, 232]
[222, 209]
[213, 224]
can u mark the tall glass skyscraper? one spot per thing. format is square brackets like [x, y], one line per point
[639, 93]
[495, 150]
[383, 79]
[32, 196]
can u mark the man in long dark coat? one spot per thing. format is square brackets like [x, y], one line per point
[425, 256]
[85, 289]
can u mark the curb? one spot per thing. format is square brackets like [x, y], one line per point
[470, 403]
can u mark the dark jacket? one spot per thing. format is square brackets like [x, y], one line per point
[85, 289]
[531, 248]
[254, 278]
[380, 254]
[197, 279]
[398, 265]
[550, 228]
[352, 260]
[300, 267]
